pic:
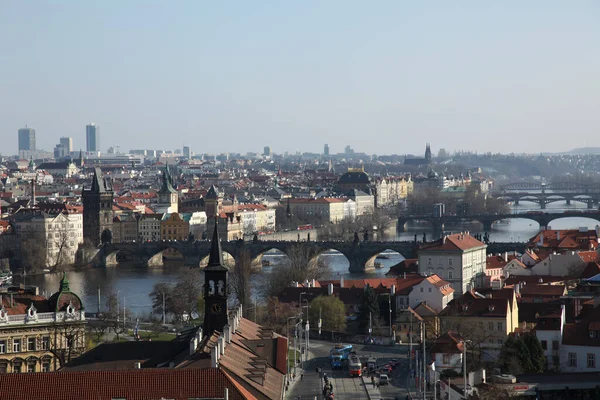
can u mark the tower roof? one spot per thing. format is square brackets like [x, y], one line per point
[99, 184]
[212, 192]
[167, 183]
[215, 259]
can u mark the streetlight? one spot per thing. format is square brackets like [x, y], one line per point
[389, 295]
[464, 342]
[287, 326]
[118, 292]
[307, 329]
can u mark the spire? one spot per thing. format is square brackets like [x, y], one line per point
[64, 284]
[215, 259]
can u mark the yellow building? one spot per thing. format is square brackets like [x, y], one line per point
[39, 334]
[485, 321]
[173, 227]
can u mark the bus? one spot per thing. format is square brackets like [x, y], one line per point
[305, 227]
[338, 354]
[354, 366]
[335, 359]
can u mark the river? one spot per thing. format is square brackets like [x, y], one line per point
[134, 284]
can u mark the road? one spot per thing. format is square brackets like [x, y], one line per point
[344, 386]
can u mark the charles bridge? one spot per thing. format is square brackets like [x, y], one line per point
[360, 255]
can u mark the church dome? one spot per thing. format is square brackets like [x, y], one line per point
[354, 178]
[64, 298]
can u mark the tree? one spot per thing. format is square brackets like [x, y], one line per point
[369, 308]
[332, 312]
[33, 250]
[179, 298]
[67, 341]
[303, 265]
[240, 276]
[522, 355]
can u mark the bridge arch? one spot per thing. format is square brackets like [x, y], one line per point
[334, 260]
[270, 258]
[384, 259]
[556, 223]
[228, 259]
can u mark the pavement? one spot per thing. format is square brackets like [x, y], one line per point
[309, 386]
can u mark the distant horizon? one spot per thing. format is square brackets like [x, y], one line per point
[515, 77]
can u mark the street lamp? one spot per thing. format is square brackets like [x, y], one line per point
[464, 342]
[389, 295]
[307, 329]
[118, 292]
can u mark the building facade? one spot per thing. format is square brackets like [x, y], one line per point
[27, 139]
[459, 259]
[39, 334]
[149, 227]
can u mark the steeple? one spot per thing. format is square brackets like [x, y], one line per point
[167, 183]
[64, 284]
[215, 288]
[215, 258]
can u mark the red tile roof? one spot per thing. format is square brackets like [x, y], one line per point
[140, 384]
[458, 241]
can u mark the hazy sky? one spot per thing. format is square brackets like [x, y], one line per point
[382, 76]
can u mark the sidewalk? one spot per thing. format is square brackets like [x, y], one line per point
[372, 390]
[310, 383]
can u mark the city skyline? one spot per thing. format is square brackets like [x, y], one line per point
[382, 80]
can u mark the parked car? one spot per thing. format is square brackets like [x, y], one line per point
[383, 379]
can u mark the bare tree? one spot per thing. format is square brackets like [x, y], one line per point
[67, 341]
[180, 298]
[240, 276]
[33, 250]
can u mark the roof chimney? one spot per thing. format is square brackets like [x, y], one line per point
[313, 283]
[193, 345]
[517, 288]
[393, 290]
[404, 275]
[342, 282]
[330, 289]
[240, 310]
[137, 365]
[221, 345]
[214, 357]
[506, 256]
[227, 332]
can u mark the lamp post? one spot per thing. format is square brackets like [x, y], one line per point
[287, 333]
[464, 342]
[307, 331]
[118, 308]
[389, 296]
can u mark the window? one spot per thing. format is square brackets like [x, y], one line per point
[490, 326]
[450, 261]
[429, 261]
[450, 274]
[572, 359]
[45, 343]
[429, 290]
[500, 326]
[421, 290]
[544, 344]
[16, 345]
[17, 365]
[31, 344]
[31, 366]
[555, 345]
[45, 366]
[2, 346]
[591, 360]
[3, 367]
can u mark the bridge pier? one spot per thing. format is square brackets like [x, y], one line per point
[487, 225]
[438, 229]
[568, 202]
[516, 202]
[590, 204]
[400, 225]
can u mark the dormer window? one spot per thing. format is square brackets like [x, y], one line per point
[491, 308]
[70, 309]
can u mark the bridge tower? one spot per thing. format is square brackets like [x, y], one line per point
[97, 208]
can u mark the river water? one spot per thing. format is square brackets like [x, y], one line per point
[134, 284]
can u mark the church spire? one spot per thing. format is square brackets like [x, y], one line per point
[215, 259]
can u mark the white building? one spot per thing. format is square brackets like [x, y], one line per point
[197, 221]
[149, 227]
[58, 234]
[563, 264]
[459, 259]
[434, 291]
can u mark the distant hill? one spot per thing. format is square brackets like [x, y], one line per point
[584, 150]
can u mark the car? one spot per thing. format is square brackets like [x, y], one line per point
[383, 379]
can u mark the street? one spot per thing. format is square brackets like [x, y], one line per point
[344, 386]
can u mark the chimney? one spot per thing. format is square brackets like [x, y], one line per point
[506, 256]
[226, 395]
[199, 335]
[330, 289]
[393, 290]
[313, 283]
[137, 365]
[221, 345]
[193, 345]
[227, 332]
[342, 282]
[12, 303]
[240, 310]
[404, 275]
[214, 357]
[557, 235]
[517, 288]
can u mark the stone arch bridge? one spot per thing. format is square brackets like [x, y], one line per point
[360, 255]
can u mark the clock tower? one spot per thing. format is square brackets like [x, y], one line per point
[215, 288]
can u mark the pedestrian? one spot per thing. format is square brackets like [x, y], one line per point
[301, 375]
